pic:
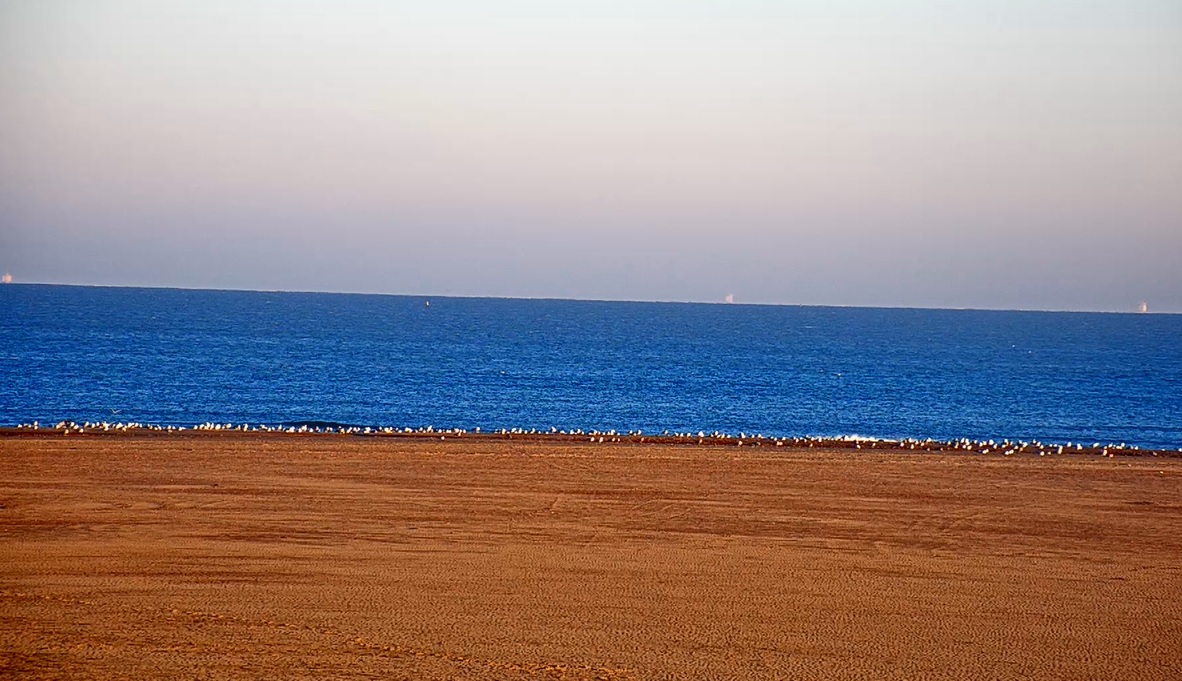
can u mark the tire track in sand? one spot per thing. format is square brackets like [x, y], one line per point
[543, 670]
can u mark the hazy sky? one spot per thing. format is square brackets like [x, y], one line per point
[972, 153]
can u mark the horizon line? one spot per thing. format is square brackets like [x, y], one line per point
[720, 302]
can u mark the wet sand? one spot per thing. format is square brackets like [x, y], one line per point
[253, 556]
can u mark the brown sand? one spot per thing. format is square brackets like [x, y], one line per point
[344, 557]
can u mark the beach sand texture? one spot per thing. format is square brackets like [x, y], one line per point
[249, 556]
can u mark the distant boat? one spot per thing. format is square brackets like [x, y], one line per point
[1143, 308]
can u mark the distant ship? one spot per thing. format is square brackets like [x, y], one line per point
[1143, 308]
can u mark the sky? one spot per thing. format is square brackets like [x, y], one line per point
[979, 153]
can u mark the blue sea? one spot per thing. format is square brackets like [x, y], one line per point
[183, 357]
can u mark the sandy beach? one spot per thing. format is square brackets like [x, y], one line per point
[267, 556]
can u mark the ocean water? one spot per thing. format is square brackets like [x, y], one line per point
[182, 357]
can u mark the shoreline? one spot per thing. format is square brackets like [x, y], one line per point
[1003, 448]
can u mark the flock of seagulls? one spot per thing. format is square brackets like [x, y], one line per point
[715, 438]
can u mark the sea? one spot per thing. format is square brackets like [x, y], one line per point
[184, 357]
